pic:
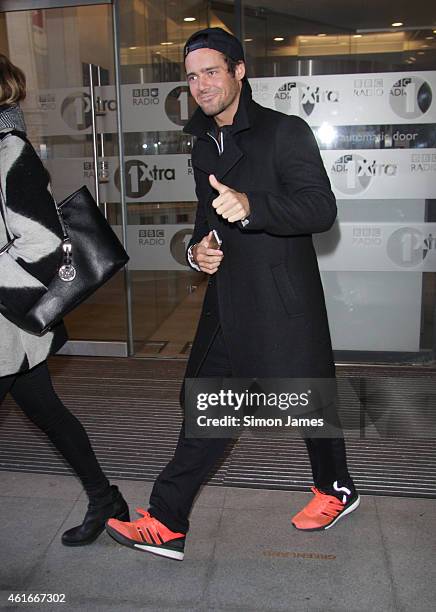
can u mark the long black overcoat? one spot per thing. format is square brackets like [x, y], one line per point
[267, 293]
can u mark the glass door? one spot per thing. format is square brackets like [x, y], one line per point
[68, 53]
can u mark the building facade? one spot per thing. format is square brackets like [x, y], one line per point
[107, 102]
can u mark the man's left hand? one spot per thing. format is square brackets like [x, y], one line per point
[230, 204]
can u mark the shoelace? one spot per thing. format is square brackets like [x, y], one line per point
[329, 505]
[144, 513]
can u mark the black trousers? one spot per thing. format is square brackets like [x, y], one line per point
[33, 392]
[175, 488]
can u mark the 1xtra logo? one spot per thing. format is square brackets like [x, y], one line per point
[307, 97]
[408, 246]
[76, 109]
[352, 174]
[140, 178]
[410, 97]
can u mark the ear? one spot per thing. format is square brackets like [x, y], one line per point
[240, 71]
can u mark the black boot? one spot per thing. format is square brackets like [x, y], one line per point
[99, 511]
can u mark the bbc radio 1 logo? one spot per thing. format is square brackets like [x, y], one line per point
[158, 237]
[408, 247]
[368, 87]
[47, 101]
[76, 109]
[410, 97]
[423, 163]
[145, 96]
[307, 97]
[151, 237]
[180, 105]
[140, 178]
[352, 173]
[179, 244]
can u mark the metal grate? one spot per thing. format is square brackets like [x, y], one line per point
[111, 396]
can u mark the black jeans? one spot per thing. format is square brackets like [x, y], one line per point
[33, 392]
[177, 485]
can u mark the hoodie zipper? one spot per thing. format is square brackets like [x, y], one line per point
[220, 143]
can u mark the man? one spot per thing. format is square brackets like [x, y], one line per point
[261, 185]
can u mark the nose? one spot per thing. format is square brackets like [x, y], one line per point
[203, 81]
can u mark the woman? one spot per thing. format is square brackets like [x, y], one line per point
[28, 210]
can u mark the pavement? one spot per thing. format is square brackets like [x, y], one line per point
[242, 554]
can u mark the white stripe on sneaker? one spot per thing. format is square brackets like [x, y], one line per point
[162, 552]
[343, 490]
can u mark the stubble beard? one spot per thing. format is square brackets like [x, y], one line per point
[221, 106]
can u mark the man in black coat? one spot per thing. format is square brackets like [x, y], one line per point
[261, 185]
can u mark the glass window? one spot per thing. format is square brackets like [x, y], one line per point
[364, 80]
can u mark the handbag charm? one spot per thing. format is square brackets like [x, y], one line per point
[67, 272]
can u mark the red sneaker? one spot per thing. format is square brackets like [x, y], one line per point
[323, 511]
[148, 534]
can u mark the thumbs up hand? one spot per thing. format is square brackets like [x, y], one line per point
[230, 204]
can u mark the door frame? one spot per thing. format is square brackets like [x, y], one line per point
[91, 347]
[7, 6]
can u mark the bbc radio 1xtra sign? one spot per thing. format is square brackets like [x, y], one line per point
[379, 247]
[348, 99]
[388, 174]
[150, 178]
[364, 174]
[352, 99]
[363, 247]
[145, 108]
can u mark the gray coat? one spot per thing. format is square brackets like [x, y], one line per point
[30, 262]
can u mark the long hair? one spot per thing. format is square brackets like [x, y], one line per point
[12, 82]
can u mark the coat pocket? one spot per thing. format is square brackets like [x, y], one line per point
[291, 301]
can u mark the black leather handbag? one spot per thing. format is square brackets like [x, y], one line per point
[91, 255]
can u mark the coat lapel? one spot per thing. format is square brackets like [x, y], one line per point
[206, 157]
[230, 157]
[210, 162]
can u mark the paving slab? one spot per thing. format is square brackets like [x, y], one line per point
[242, 554]
[262, 562]
[28, 525]
[408, 528]
[110, 574]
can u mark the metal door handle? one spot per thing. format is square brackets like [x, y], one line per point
[94, 135]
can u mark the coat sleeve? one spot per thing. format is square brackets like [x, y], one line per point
[305, 203]
[201, 227]
[33, 259]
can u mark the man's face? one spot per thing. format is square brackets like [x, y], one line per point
[212, 86]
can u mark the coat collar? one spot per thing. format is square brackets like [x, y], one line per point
[200, 124]
[11, 118]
